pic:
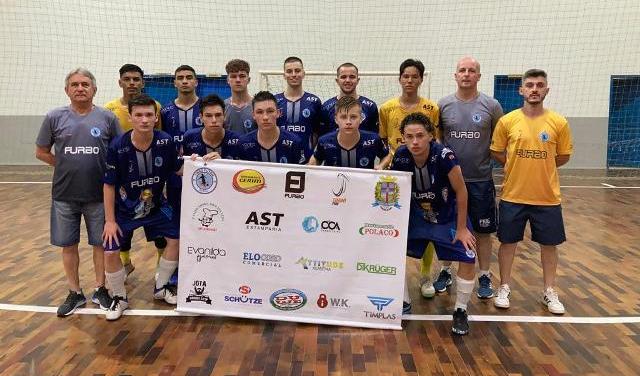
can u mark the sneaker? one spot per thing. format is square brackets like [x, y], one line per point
[73, 301]
[406, 308]
[460, 322]
[426, 288]
[485, 287]
[101, 297]
[444, 280]
[502, 297]
[174, 278]
[550, 299]
[168, 293]
[129, 268]
[117, 307]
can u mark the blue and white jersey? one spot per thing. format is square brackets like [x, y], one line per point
[177, 121]
[362, 155]
[301, 117]
[193, 143]
[139, 176]
[369, 115]
[288, 149]
[431, 190]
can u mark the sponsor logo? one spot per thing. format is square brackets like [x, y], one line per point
[484, 222]
[339, 190]
[311, 224]
[198, 293]
[243, 298]
[157, 161]
[267, 221]
[95, 132]
[296, 128]
[319, 265]
[380, 303]
[387, 193]
[477, 117]
[373, 229]
[81, 150]
[248, 181]
[544, 136]
[324, 302]
[208, 216]
[284, 160]
[204, 180]
[262, 259]
[146, 181]
[533, 154]
[288, 299]
[176, 139]
[470, 253]
[375, 268]
[464, 134]
[294, 184]
[203, 253]
[164, 141]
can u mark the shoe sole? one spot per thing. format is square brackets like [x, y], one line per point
[549, 309]
[459, 332]
[485, 296]
[72, 311]
[115, 318]
[445, 288]
[502, 306]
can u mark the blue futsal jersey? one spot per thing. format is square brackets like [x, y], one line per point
[369, 115]
[288, 149]
[139, 176]
[301, 117]
[431, 189]
[177, 121]
[192, 143]
[362, 155]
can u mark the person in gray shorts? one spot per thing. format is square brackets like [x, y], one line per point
[467, 119]
[80, 134]
[238, 115]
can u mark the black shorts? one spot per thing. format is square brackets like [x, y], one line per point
[547, 227]
[481, 206]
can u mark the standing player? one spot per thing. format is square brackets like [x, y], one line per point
[80, 133]
[348, 146]
[438, 211]
[238, 116]
[132, 82]
[269, 143]
[299, 111]
[347, 80]
[138, 164]
[531, 143]
[392, 112]
[467, 120]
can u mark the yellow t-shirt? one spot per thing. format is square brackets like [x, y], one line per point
[122, 113]
[532, 144]
[392, 114]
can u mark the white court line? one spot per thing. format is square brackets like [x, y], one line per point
[608, 185]
[477, 318]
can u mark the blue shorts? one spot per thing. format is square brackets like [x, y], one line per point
[547, 226]
[481, 206]
[65, 222]
[155, 225]
[174, 196]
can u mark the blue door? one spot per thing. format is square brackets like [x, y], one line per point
[623, 146]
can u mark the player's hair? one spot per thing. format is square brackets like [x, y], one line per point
[237, 65]
[417, 118]
[534, 73]
[263, 96]
[142, 100]
[211, 100]
[185, 67]
[81, 71]
[412, 63]
[130, 68]
[346, 103]
[293, 59]
[346, 65]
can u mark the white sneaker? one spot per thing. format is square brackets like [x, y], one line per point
[118, 305]
[168, 293]
[426, 288]
[502, 297]
[550, 299]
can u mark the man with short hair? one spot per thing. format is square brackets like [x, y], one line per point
[347, 80]
[467, 120]
[531, 143]
[299, 110]
[238, 116]
[81, 133]
[269, 143]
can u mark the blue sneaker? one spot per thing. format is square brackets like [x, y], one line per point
[406, 308]
[444, 280]
[174, 278]
[485, 288]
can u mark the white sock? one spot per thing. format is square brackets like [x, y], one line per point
[464, 289]
[446, 267]
[164, 271]
[116, 281]
[484, 272]
[406, 298]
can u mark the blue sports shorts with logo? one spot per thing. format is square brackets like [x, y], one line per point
[481, 206]
[547, 226]
[156, 224]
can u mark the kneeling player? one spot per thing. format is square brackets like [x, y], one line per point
[438, 208]
[138, 165]
[349, 146]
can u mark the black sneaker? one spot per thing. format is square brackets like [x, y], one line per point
[460, 322]
[101, 297]
[406, 308]
[73, 301]
[444, 280]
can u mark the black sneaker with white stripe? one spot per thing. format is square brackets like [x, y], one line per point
[71, 303]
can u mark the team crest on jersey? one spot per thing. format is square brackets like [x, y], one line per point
[204, 180]
[476, 118]
[306, 113]
[364, 161]
[158, 161]
[95, 132]
[544, 136]
[247, 124]
[283, 160]
[387, 193]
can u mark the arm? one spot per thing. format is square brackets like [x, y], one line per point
[384, 162]
[44, 154]
[562, 159]
[500, 157]
[312, 161]
[462, 232]
[111, 228]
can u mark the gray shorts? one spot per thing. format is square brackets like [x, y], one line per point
[65, 222]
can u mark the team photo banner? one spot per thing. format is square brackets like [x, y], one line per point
[296, 243]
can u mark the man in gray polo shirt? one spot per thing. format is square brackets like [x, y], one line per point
[467, 120]
[80, 134]
[238, 114]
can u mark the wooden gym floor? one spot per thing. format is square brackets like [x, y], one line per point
[598, 282]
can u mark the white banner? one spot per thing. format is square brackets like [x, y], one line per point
[295, 243]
